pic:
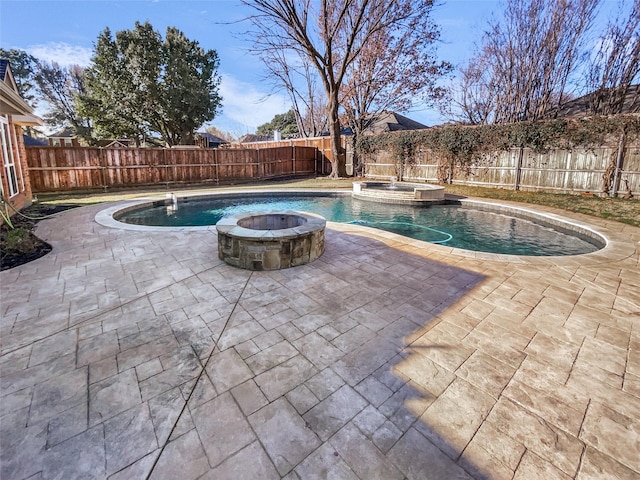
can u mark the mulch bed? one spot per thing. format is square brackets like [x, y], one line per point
[18, 245]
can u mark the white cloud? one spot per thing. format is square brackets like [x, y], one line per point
[62, 53]
[247, 105]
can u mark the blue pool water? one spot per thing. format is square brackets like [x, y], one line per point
[452, 225]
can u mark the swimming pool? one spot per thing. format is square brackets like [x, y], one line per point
[477, 228]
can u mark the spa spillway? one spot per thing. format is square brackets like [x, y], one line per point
[407, 193]
[270, 240]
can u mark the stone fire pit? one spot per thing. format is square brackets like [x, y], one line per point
[270, 240]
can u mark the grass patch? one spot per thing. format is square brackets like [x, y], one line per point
[625, 210]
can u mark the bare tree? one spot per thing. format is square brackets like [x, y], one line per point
[311, 108]
[472, 100]
[331, 34]
[294, 73]
[59, 87]
[392, 72]
[223, 134]
[526, 58]
[615, 66]
[313, 120]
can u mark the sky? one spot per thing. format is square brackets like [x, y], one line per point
[65, 31]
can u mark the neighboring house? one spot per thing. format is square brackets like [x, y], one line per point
[207, 140]
[63, 138]
[583, 106]
[251, 138]
[382, 122]
[391, 122]
[15, 113]
[118, 143]
[30, 141]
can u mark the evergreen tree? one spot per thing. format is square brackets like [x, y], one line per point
[23, 68]
[285, 123]
[140, 84]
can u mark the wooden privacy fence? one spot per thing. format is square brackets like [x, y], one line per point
[80, 168]
[562, 171]
[321, 144]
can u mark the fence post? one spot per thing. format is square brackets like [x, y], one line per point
[166, 168]
[293, 155]
[567, 173]
[260, 169]
[619, 164]
[103, 167]
[323, 157]
[315, 162]
[519, 168]
[216, 161]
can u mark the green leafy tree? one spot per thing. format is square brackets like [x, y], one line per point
[285, 123]
[59, 86]
[140, 85]
[23, 67]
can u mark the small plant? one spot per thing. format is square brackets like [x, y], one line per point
[5, 215]
[18, 239]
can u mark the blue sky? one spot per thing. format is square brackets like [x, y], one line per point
[66, 30]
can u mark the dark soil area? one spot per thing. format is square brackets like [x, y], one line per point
[18, 245]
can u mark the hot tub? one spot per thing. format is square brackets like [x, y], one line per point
[399, 192]
[270, 240]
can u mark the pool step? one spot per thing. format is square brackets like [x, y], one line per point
[401, 197]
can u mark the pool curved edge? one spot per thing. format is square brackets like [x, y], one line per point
[616, 247]
[105, 217]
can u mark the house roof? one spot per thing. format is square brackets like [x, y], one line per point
[391, 122]
[3, 68]
[582, 105]
[6, 75]
[34, 142]
[249, 138]
[64, 133]
[11, 102]
[211, 138]
[114, 143]
[382, 122]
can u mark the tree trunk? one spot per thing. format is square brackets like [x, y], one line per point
[186, 138]
[338, 161]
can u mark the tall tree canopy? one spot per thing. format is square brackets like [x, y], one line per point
[293, 72]
[285, 123]
[525, 60]
[140, 84]
[615, 65]
[333, 34]
[59, 87]
[392, 73]
[23, 68]
[56, 85]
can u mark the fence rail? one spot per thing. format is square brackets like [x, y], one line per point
[563, 171]
[321, 144]
[80, 168]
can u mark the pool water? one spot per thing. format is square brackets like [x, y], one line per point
[452, 225]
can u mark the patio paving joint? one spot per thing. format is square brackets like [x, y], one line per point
[203, 371]
[383, 354]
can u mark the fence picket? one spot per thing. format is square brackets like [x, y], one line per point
[86, 168]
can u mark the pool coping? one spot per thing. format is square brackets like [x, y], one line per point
[617, 246]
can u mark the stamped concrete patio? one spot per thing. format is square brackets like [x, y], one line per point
[138, 354]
